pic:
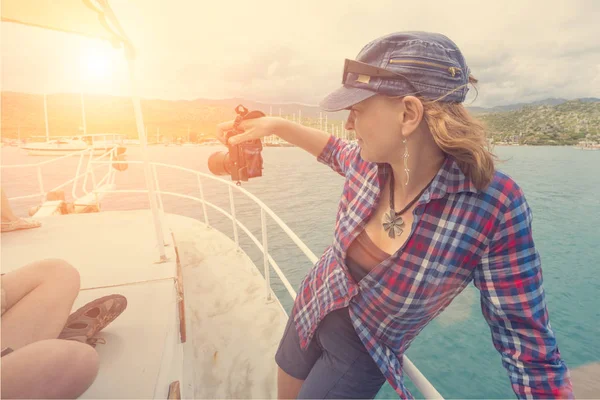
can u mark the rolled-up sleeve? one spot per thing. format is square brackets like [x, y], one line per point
[509, 278]
[339, 155]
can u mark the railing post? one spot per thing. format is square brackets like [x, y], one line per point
[161, 207]
[79, 164]
[235, 228]
[90, 171]
[203, 201]
[158, 195]
[265, 244]
[41, 182]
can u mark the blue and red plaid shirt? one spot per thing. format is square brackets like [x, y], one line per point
[459, 235]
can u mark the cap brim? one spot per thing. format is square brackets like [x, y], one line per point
[345, 97]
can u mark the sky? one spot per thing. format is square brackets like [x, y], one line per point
[293, 51]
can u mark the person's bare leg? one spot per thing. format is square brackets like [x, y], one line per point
[39, 298]
[7, 213]
[49, 369]
[288, 387]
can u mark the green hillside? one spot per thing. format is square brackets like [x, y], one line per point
[566, 123]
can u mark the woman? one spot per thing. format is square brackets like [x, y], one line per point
[423, 213]
[47, 353]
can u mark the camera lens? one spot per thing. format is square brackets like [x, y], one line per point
[218, 163]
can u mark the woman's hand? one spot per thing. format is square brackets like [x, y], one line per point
[255, 128]
[309, 139]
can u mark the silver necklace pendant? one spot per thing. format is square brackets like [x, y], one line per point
[393, 224]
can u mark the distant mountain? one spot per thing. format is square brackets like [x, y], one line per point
[315, 111]
[545, 121]
[566, 123]
[23, 114]
[552, 101]
[479, 110]
[309, 111]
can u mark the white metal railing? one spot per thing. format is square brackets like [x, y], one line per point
[236, 224]
[87, 171]
[426, 388]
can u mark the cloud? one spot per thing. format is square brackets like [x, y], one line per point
[270, 50]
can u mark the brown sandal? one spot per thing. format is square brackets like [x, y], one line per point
[90, 319]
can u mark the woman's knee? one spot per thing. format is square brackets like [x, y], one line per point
[62, 278]
[79, 362]
[56, 269]
[49, 369]
[83, 359]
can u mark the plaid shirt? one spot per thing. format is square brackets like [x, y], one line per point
[459, 235]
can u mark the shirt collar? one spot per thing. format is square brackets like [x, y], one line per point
[448, 180]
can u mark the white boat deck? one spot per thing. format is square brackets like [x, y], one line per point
[232, 334]
[233, 331]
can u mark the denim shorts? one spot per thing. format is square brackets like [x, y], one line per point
[336, 363]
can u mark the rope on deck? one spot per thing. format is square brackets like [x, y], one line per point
[130, 283]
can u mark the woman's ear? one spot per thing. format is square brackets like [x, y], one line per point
[411, 115]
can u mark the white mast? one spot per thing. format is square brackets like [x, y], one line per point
[142, 134]
[83, 115]
[46, 118]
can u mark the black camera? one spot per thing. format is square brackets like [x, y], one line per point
[243, 161]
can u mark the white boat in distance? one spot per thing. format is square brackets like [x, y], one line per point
[99, 143]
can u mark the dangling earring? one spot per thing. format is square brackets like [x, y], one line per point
[406, 170]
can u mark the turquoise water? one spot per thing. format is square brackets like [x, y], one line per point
[455, 352]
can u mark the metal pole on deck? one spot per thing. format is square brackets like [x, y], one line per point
[139, 121]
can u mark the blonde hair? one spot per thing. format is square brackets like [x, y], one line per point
[463, 137]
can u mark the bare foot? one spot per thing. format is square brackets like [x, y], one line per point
[21, 223]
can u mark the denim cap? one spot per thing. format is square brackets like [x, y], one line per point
[432, 63]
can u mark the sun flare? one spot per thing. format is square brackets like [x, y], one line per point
[96, 63]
